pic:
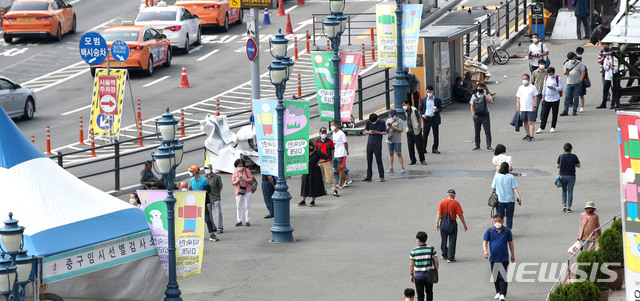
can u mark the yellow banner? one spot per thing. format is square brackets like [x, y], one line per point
[101, 107]
[387, 35]
[235, 3]
[190, 211]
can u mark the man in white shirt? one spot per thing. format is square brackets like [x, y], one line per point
[537, 50]
[526, 105]
[340, 154]
[551, 89]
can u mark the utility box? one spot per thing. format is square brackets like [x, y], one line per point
[538, 17]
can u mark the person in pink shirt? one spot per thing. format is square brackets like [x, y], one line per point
[589, 221]
[242, 179]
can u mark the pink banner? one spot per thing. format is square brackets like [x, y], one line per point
[349, 69]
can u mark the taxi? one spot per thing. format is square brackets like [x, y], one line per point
[38, 18]
[147, 48]
[217, 13]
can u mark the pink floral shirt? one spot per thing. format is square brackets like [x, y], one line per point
[591, 221]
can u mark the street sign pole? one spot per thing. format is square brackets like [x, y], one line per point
[255, 64]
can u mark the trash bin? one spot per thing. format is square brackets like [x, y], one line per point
[540, 27]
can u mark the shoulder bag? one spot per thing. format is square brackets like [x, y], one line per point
[493, 199]
[446, 223]
[558, 180]
[547, 62]
[432, 274]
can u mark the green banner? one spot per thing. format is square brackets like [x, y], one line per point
[325, 83]
[296, 137]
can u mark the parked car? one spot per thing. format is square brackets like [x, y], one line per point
[176, 22]
[16, 100]
[39, 18]
[216, 13]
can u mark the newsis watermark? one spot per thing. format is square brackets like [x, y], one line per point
[529, 272]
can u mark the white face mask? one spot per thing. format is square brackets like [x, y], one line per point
[525, 82]
[535, 40]
[429, 95]
[404, 107]
[323, 136]
[132, 201]
[239, 168]
[498, 225]
[333, 128]
[207, 171]
[190, 174]
[541, 67]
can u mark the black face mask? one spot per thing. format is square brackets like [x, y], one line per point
[311, 150]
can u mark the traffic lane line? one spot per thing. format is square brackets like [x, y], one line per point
[156, 81]
[76, 110]
[204, 57]
[287, 11]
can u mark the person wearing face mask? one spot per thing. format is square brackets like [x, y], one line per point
[340, 154]
[197, 182]
[583, 87]
[608, 69]
[537, 79]
[460, 93]
[575, 72]
[430, 108]
[526, 105]
[375, 128]
[604, 53]
[599, 33]
[311, 184]
[537, 51]
[414, 139]
[134, 200]
[497, 243]
[480, 101]
[242, 179]
[325, 145]
[505, 186]
[213, 206]
[395, 127]
[551, 93]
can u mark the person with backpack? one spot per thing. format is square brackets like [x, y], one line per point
[497, 243]
[448, 210]
[422, 260]
[479, 102]
[551, 93]
[537, 51]
[575, 72]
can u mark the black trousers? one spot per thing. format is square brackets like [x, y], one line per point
[606, 86]
[430, 124]
[584, 20]
[377, 151]
[546, 108]
[498, 278]
[422, 287]
[485, 122]
[415, 142]
[448, 244]
[414, 98]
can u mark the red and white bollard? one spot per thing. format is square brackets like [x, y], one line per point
[363, 57]
[328, 45]
[93, 143]
[373, 47]
[295, 48]
[217, 107]
[139, 116]
[308, 48]
[33, 139]
[140, 133]
[81, 133]
[299, 85]
[182, 123]
[48, 132]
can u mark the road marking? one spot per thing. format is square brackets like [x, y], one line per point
[103, 24]
[290, 9]
[156, 81]
[38, 79]
[14, 51]
[207, 55]
[196, 49]
[76, 110]
[303, 24]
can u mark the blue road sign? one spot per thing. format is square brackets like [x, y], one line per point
[252, 49]
[93, 48]
[102, 121]
[119, 50]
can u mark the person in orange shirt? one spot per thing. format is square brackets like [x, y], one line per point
[448, 210]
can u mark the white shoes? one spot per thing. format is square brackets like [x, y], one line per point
[502, 298]
[581, 110]
[553, 130]
[497, 296]
[538, 132]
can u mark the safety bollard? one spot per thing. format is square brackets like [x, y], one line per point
[217, 107]
[33, 139]
[48, 152]
[1, 14]
[299, 85]
[363, 57]
[373, 51]
[81, 133]
[295, 48]
[328, 45]
[308, 48]
[140, 133]
[93, 143]
[371, 34]
[182, 123]
[139, 110]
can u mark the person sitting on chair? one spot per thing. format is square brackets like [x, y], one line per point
[148, 179]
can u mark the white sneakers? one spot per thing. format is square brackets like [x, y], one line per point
[581, 110]
[502, 298]
[537, 132]
[553, 130]
[497, 296]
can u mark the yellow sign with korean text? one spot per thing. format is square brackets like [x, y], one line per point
[106, 102]
[189, 226]
[387, 34]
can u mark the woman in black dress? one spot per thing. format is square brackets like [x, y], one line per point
[312, 183]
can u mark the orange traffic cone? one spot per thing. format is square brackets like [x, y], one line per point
[281, 9]
[184, 81]
[301, 2]
[289, 29]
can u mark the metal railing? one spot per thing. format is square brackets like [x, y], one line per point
[564, 275]
[352, 24]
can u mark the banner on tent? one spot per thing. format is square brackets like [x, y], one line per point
[98, 256]
[106, 105]
[189, 227]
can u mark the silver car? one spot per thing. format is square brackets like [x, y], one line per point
[16, 100]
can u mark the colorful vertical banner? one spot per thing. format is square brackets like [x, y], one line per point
[325, 83]
[411, 19]
[349, 70]
[387, 35]
[189, 227]
[323, 74]
[629, 145]
[296, 136]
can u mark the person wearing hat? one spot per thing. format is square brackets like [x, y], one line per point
[451, 209]
[197, 182]
[589, 221]
[148, 179]
[214, 211]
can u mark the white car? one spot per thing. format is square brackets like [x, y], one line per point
[177, 23]
[16, 100]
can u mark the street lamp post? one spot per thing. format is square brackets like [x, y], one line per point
[18, 268]
[168, 157]
[279, 72]
[400, 82]
[333, 28]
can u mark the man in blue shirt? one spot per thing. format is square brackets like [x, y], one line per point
[197, 182]
[500, 241]
[375, 128]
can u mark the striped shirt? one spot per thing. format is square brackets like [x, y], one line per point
[422, 257]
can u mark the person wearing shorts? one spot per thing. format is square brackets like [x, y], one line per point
[526, 105]
[340, 153]
[395, 127]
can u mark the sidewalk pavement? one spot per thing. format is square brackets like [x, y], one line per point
[356, 247]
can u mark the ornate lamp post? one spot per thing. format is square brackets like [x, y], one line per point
[18, 268]
[400, 82]
[168, 157]
[333, 27]
[279, 72]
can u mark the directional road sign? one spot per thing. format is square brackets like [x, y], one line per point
[107, 93]
[252, 49]
[251, 3]
[119, 50]
[93, 48]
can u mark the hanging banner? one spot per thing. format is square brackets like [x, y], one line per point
[189, 227]
[387, 35]
[325, 84]
[349, 70]
[106, 105]
[411, 19]
[629, 139]
[296, 136]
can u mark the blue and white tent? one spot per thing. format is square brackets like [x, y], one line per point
[93, 246]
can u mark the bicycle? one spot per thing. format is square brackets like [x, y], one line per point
[498, 55]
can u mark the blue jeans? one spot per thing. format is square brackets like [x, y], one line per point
[567, 189]
[267, 193]
[506, 210]
[572, 95]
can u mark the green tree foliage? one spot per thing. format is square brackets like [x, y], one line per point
[577, 291]
[587, 262]
[611, 246]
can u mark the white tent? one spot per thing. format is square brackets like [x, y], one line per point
[93, 246]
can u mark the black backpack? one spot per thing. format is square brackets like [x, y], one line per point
[446, 223]
[480, 105]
